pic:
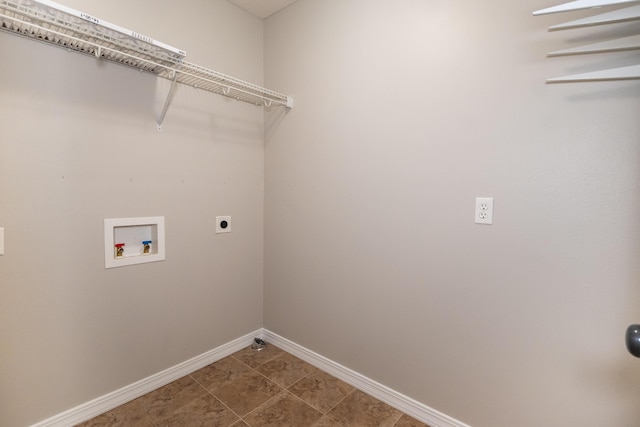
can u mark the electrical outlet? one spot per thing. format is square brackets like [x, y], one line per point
[484, 210]
[223, 224]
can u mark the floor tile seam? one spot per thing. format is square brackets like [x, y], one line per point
[319, 409]
[266, 377]
[141, 406]
[224, 404]
[272, 359]
[226, 382]
[251, 369]
[403, 414]
[151, 420]
[255, 370]
[205, 392]
[258, 372]
[353, 391]
[199, 383]
[213, 395]
[260, 406]
[245, 364]
[332, 418]
[283, 386]
[305, 376]
[281, 389]
[340, 401]
[264, 404]
[282, 353]
[399, 417]
[322, 414]
[175, 410]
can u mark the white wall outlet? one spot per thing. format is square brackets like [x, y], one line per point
[223, 224]
[484, 210]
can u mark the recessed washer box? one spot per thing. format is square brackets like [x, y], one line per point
[129, 241]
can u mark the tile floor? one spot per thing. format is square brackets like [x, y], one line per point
[255, 389]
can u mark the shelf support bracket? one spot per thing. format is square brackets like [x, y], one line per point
[168, 100]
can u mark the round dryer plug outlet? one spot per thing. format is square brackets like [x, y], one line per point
[223, 224]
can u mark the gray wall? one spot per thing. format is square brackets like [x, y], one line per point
[78, 144]
[405, 112]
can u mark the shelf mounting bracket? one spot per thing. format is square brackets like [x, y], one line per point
[168, 100]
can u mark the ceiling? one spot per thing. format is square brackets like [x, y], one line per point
[262, 8]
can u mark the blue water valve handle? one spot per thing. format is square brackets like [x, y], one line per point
[147, 242]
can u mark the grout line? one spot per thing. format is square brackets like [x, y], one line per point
[225, 405]
[254, 370]
[305, 376]
[282, 388]
[322, 414]
[341, 400]
[240, 418]
[399, 418]
[262, 404]
[274, 397]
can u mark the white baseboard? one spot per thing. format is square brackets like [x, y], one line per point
[102, 404]
[391, 397]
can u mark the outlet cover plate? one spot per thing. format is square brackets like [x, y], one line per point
[484, 210]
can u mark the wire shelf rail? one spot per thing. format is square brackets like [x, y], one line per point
[55, 24]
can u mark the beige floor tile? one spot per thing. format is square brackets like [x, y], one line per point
[161, 403]
[285, 369]
[205, 411]
[326, 422]
[321, 390]
[129, 414]
[237, 386]
[247, 392]
[220, 373]
[360, 410]
[255, 358]
[407, 421]
[284, 410]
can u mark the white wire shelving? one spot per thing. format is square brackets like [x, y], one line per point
[626, 14]
[58, 25]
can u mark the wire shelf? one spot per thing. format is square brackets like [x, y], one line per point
[58, 25]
